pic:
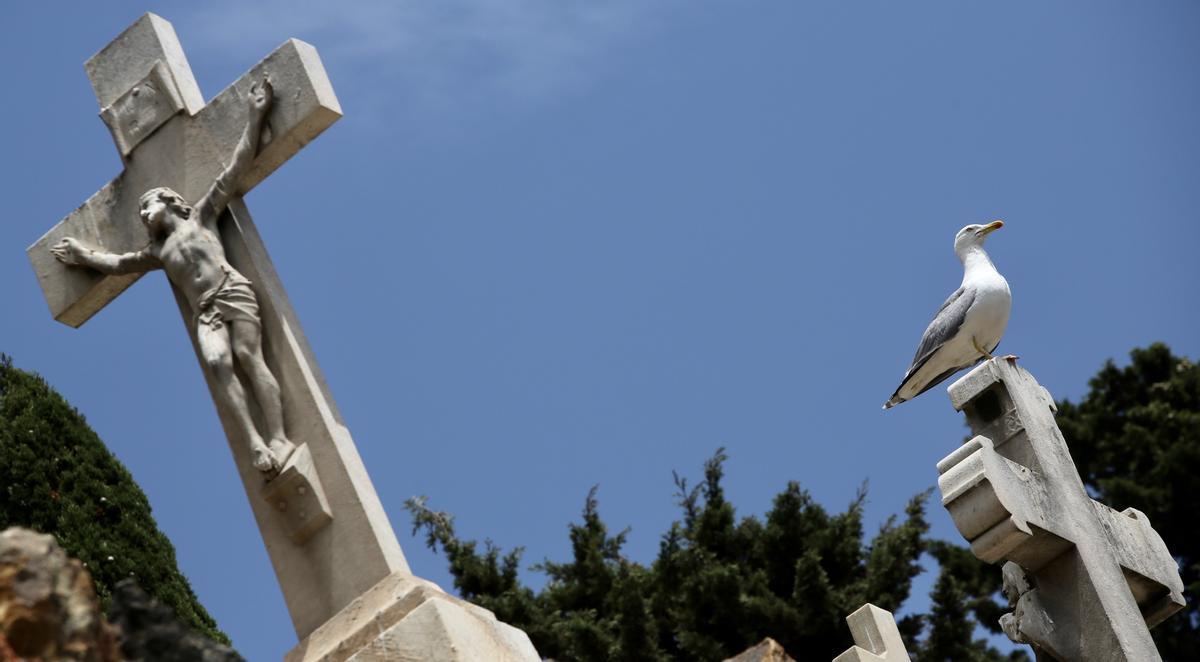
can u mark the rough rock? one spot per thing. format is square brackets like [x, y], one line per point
[48, 606]
[767, 650]
[151, 633]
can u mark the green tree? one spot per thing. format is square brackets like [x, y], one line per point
[960, 601]
[718, 586]
[592, 608]
[57, 477]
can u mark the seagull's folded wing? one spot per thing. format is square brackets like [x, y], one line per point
[945, 325]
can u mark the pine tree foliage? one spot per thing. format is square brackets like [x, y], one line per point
[961, 600]
[57, 477]
[950, 640]
[978, 582]
[719, 585]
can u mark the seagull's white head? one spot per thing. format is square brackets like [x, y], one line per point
[972, 236]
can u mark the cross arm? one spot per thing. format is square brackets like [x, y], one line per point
[223, 189]
[186, 153]
[1148, 566]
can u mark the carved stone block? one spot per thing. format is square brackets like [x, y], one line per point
[145, 107]
[297, 497]
[997, 505]
[117, 67]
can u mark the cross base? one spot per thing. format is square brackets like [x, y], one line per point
[407, 618]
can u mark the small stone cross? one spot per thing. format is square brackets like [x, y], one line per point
[1088, 581]
[321, 520]
[876, 637]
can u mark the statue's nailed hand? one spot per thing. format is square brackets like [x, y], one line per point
[261, 95]
[69, 251]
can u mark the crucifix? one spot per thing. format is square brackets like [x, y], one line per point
[1086, 582]
[177, 206]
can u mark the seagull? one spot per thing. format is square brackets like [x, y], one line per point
[968, 326]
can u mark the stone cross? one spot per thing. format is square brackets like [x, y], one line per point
[1089, 582]
[876, 635]
[343, 575]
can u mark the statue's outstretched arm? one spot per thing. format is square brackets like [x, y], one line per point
[74, 252]
[225, 187]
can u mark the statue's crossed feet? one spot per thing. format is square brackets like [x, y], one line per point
[271, 459]
[261, 455]
[281, 451]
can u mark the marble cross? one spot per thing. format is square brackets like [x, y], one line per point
[1087, 582]
[322, 522]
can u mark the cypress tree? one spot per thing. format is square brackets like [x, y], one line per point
[57, 477]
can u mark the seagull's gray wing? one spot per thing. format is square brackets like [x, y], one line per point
[945, 325]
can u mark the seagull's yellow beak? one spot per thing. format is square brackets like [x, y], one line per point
[990, 228]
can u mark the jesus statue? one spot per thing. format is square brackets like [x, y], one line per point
[185, 242]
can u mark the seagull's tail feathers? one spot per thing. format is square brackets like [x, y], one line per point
[897, 398]
[940, 378]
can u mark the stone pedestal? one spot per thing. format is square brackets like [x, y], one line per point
[406, 619]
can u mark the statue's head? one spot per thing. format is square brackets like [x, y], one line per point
[156, 201]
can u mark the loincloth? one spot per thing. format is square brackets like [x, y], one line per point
[232, 300]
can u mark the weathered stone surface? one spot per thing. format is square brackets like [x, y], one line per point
[767, 650]
[876, 635]
[118, 66]
[1086, 581]
[151, 633]
[48, 607]
[407, 619]
[1028, 622]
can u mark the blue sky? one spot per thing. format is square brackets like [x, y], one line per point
[561, 244]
